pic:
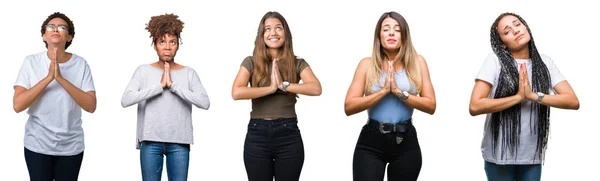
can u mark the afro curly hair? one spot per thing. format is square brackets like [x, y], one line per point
[164, 24]
[64, 17]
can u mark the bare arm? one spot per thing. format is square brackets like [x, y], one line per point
[310, 84]
[481, 104]
[86, 100]
[564, 99]
[355, 100]
[23, 98]
[426, 101]
[240, 89]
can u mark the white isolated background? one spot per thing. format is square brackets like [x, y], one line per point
[332, 36]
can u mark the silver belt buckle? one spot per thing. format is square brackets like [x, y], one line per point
[384, 131]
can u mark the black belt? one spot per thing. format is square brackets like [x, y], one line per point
[399, 128]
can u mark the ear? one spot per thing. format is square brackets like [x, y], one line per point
[154, 46]
[503, 46]
[70, 38]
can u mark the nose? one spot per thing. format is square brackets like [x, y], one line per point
[272, 32]
[392, 32]
[168, 46]
[517, 31]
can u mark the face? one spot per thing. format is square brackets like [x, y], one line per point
[166, 47]
[274, 34]
[57, 32]
[513, 33]
[390, 34]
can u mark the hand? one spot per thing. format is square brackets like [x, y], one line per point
[387, 87]
[54, 71]
[394, 88]
[168, 79]
[528, 93]
[523, 82]
[274, 82]
[278, 74]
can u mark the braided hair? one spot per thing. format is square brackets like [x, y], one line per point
[509, 120]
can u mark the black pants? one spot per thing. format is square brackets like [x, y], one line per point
[375, 150]
[273, 148]
[47, 167]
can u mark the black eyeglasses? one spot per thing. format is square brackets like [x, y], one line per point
[61, 28]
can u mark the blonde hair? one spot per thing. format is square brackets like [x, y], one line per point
[406, 55]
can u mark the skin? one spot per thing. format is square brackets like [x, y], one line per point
[23, 98]
[356, 100]
[274, 37]
[515, 38]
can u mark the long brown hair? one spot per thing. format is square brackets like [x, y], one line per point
[406, 55]
[262, 58]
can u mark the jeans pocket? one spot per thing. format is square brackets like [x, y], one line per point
[291, 127]
[252, 126]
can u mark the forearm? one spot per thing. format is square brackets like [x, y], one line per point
[25, 99]
[86, 101]
[355, 105]
[491, 105]
[563, 101]
[310, 89]
[424, 104]
[243, 92]
[133, 96]
[197, 97]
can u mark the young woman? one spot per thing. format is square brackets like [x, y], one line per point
[513, 89]
[273, 146]
[55, 85]
[390, 85]
[165, 91]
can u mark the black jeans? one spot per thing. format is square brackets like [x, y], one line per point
[273, 148]
[47, 167]
[375, 150]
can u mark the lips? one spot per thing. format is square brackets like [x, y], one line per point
[273, 39]
[391, 40]
[519, 37]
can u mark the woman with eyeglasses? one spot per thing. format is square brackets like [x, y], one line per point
[54, 85]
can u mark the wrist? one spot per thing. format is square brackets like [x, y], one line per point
[532, 96]
[539, 96]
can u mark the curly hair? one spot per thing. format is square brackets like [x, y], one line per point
[63, 17]
[161, 25]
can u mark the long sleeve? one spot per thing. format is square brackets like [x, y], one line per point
[196, 94]
[135, 93]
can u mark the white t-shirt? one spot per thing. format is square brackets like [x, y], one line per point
[526, 151]
[54, 124]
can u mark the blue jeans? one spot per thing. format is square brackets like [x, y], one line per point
[496, 172]
[151, 159]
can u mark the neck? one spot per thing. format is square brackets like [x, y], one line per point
[161, 63]
[522, 53]
[60, 53]
[274, 53]
[391, 55]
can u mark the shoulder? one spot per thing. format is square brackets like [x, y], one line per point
[35, 58]
[421, 59]
[249, 59]
[365, 62]
[300, 61]
[547, 59]
[78, 59]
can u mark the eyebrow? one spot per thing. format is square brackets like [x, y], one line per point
[512, 22]
[390, 25]
[275, 25]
